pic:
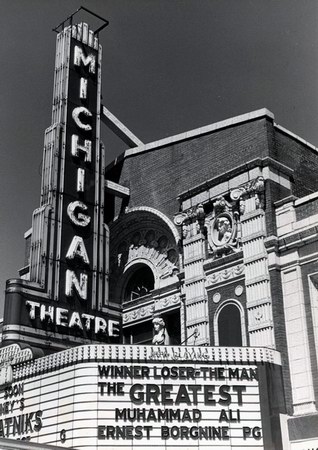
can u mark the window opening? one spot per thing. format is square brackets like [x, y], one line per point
[140, 284]
[229, 326]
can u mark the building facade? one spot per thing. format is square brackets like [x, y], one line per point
[198, 250]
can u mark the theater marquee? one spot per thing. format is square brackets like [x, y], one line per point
[114, 396]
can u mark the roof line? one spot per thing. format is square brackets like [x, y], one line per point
[295, 136]
[200, 131]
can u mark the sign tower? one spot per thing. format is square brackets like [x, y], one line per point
[64, 299]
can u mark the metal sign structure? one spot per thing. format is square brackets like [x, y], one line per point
[65, 299]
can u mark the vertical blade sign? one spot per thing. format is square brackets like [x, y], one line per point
[64, 302]
[79, 184]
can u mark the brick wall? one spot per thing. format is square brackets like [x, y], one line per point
[273, 193]
[280, 333]
[299, 157]
[157, 177]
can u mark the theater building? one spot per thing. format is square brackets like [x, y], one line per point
[171, 297]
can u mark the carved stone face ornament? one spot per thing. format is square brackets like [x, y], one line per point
[222, 229]
[222, 234]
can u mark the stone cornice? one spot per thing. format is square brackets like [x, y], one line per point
[298, 239]
[226, 176]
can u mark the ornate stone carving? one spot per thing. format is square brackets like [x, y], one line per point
[142, 236]
[254, 188]
[138, 313]
[221, 205]
[167, 302]
[224, 275]
[149, 245]
[192, 221]
[142, 312]
[179, 219]
[259, 316]
[220, 220]
[223, 228]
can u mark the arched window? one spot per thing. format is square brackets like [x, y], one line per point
[140, 283]
[229, 325]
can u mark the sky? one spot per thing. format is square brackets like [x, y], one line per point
[168, 66]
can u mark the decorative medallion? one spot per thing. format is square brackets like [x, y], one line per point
[222, 230]
[239, 290]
